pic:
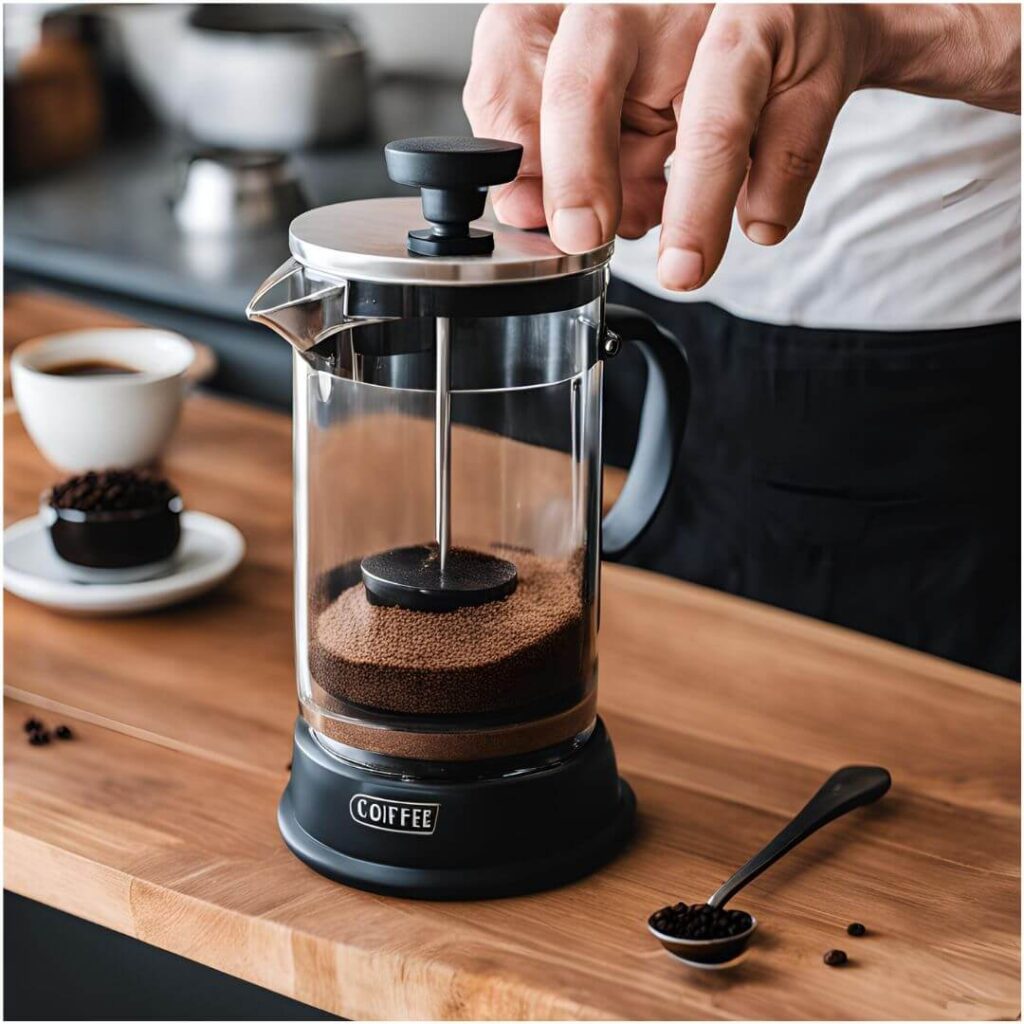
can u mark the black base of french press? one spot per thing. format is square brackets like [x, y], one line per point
[456, 840]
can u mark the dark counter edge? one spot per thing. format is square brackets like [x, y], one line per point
[60, 967]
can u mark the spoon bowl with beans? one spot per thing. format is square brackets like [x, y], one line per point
[710, 937]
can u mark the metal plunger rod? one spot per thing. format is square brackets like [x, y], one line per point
[443, 444]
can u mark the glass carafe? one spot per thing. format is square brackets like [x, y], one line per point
[508, 678]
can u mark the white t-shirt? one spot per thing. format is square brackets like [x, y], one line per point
[913, 223]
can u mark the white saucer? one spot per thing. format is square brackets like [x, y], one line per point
[209, 552]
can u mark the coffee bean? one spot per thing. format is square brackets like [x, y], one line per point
[856, 929]
[112, 491]
[700, 921]
[62, 732]
[32, 725]
[835, 958]
[39, 738]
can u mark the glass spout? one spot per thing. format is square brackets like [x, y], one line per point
[304, 310]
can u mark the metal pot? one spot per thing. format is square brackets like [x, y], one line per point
[272, 77]
[234, 192]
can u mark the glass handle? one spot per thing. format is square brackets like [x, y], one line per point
[662, 422]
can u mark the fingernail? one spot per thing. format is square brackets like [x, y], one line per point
[576, 229]
[680, 269]
[764, 233]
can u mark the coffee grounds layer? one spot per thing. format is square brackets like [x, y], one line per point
[495, 657]
[463, 744]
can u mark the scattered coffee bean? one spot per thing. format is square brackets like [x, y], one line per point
[835, 958]
[63, 732]
[700, 921]
[39, 738]
[112, 490]
[856, 929]
[32, 725]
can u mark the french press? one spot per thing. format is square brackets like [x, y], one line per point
[449, 531]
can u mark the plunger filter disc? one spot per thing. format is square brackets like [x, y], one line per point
[411, 578]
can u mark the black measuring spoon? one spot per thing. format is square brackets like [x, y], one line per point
[847, 789]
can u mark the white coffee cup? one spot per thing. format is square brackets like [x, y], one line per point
[106, 420]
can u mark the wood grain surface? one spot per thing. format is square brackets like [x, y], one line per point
[159, 819]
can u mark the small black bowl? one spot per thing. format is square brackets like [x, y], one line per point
[116, 545]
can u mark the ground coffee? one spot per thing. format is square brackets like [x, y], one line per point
[471, 741]
[499, 656]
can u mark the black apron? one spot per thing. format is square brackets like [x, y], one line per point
[867, 478]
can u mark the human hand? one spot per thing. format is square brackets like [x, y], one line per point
[742, 97]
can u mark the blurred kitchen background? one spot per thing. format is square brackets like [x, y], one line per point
[154, 154]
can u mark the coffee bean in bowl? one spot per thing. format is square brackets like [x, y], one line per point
[700, 921]
[117, 525]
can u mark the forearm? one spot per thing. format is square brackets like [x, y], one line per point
[968, 52]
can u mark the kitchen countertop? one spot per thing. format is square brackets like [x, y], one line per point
[104, 225]
[158, 820]
[106, 222]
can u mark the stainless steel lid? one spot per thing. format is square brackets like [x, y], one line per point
[367, 241]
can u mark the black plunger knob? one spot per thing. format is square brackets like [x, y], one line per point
[453, 175]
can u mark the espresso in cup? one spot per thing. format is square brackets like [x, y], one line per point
[90, 368]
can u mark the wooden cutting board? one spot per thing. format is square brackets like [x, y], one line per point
[158, 820]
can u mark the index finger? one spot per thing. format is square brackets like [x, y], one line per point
[590, 63]
[721, 104]
[502, 97]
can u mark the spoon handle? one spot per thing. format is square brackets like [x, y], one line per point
[849, 788]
